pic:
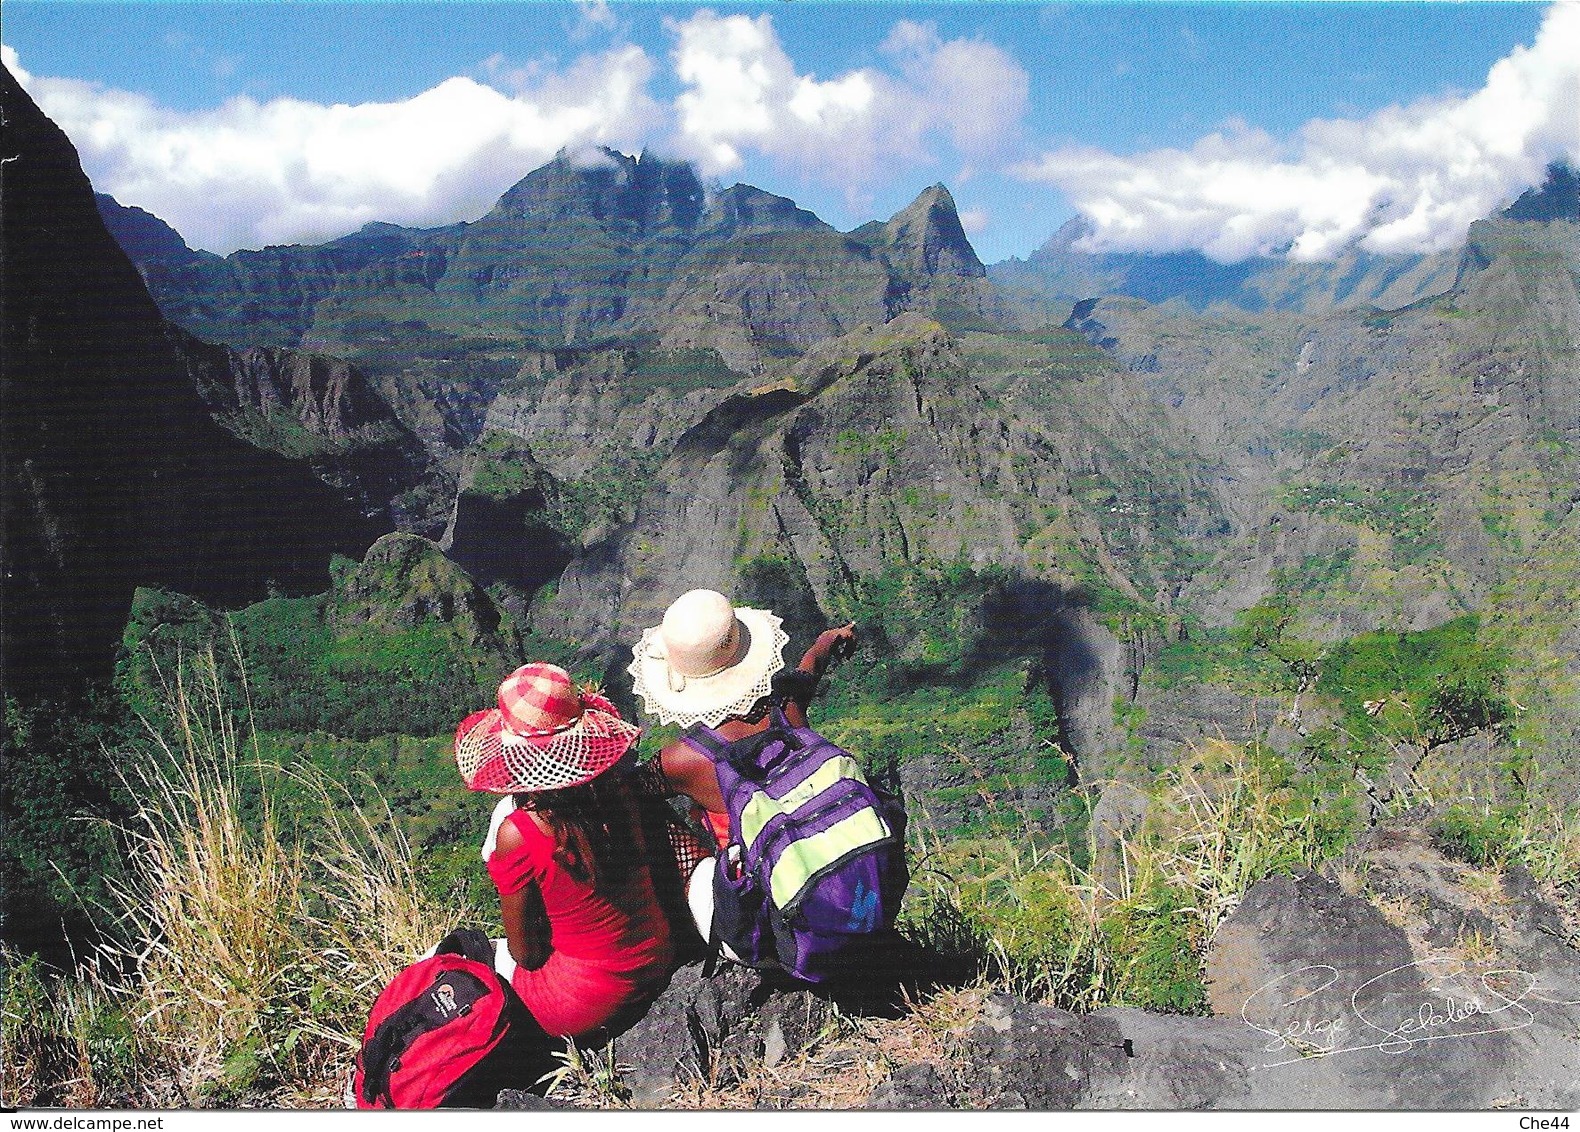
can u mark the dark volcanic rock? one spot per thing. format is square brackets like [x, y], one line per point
[1371, 1014]
[917, 1086]
[712, 1029]
[1302, 928]
[1027, 1056]
[114, 474]
[500, 529]
[519, 1100]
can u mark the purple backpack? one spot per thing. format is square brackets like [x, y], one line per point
[816, 859]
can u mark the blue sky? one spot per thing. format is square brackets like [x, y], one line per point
[1231, 127]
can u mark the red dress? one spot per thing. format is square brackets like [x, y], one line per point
[610, 950]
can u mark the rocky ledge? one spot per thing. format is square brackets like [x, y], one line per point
[1399, 981]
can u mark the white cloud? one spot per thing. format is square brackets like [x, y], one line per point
[596, 14]
[743, 95]
[967, 87]
[1404, 179]
[247, 173]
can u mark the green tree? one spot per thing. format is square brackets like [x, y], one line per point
[1266, 627]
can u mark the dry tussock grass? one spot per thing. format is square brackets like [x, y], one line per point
[246, 961]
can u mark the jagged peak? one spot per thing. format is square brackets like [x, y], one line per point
[1063, 241]
[933, 205]
[927, 234]
[741, 208]
[1557, 199]
[603, 184]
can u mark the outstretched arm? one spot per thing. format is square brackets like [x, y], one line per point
[831, 645]
[687, 771]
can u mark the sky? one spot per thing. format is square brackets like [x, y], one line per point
[1237, 129]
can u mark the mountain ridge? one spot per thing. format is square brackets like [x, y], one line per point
[117, 474]
[634, 220]
[1059, 271]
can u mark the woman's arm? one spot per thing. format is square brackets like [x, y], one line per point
[831, 645]
[691, 773]
[527, 931]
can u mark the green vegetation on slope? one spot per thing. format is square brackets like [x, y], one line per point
[1406, 517]
[1129, 924]
[247, 941]
[402, 640]
[1432, 687]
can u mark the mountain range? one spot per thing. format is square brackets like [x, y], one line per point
[618, 383]
[1169, 575]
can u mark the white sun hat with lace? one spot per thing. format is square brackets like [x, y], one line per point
[708, 660]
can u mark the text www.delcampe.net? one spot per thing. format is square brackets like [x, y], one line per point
[86, 1123]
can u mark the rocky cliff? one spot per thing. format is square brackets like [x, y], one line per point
[115, 473]
[993, 495]
[1385, 469]
[1432, 444]
[323, 413]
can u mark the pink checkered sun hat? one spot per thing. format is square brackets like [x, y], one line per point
[544, 735]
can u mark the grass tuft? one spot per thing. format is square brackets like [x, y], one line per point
[245, 961]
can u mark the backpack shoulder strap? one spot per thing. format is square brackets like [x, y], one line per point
[740, 754]
[469, 943]
[702, 738]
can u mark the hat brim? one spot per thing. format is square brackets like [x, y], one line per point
[710, 699]
[493, 761]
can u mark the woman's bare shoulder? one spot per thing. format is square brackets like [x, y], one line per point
[509, 839]
[512, 832]
[689, 770]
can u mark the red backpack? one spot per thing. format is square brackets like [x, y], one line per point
[449, 1032]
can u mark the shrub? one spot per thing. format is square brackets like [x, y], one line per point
[1425, 688]
[1157, 952]
[1486, 839]
[65, 1041]
[1532, 833]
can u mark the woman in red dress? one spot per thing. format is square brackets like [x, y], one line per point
[587, 945]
